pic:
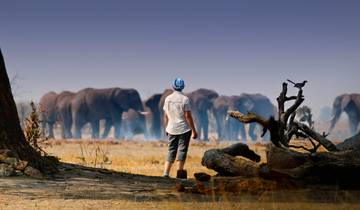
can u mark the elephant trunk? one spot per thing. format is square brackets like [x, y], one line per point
[334, 119]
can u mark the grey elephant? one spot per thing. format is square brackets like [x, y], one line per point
[201, 101]
[92, 105]
[350, 104]
[48, 112]
[155, 124]
[64, 114]
[229, 128]
[219, 109]
[133, 123]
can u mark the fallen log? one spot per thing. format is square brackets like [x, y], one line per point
[342, 167]
[225, 163]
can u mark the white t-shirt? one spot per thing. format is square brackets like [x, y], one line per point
[175, 106]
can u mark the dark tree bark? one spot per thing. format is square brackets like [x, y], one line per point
[225, 162]
[12, 137]
[342, 167]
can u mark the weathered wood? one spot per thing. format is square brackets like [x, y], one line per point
[271, 124]
[240, 149]
[341, 167]
[317, 137]
[227, 165]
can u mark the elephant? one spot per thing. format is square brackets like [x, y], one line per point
[229, 128]
[219, 109]
[201, 101]
[133, 123]
[48, 113]
[350, 104]
[153, 104]
[92, 105]
[63, 113]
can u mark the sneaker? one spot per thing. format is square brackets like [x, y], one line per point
[166, 176]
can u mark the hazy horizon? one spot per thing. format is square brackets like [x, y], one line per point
[232, 47]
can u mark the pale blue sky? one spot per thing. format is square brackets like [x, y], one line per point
[227, 45]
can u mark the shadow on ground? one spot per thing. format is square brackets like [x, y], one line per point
[80, 182]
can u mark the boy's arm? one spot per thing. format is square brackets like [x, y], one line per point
[190, 121]
[166, 121]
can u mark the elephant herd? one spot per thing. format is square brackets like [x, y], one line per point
[124, 110]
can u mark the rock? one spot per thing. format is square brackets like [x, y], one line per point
[21, 165]
[202, 177]
[6, 170]
[33, 172]
[5, 153]
[11, 161]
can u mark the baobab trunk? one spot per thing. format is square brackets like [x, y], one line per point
[12, 139]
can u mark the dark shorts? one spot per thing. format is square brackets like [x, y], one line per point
[178, 142]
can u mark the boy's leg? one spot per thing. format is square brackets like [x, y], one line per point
[173, 147]
[184, 140]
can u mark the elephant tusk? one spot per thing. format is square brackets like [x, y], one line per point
[144, 113]
[227, 117]
[124, 116]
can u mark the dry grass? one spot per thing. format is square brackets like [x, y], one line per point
[138, 157]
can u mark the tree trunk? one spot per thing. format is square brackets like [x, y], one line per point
[227, 165]
[225, 162]
[341, 167]
[12, 140]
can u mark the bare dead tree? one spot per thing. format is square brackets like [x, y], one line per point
[285, 128]
[340, 165]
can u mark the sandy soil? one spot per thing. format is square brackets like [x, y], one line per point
[126, 175]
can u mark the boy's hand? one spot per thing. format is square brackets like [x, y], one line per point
[194, 134]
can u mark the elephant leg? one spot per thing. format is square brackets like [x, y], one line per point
[78, 128]
[117, 125]
[353, 122]
[108, 124]
[198, 128]
[233, 130]
[242, 132]
[218, 126]
[51, 130]
[63, 133]
[252, 134]
[95, 128]
[205, 125]
[68, 133]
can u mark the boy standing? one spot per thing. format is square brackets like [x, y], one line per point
[179, 127]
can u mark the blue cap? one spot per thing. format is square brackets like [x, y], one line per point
[178, 84]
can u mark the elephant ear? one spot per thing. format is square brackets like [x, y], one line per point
[356, 99]
[345, 101]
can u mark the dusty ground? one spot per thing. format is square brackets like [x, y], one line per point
[90, 187]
